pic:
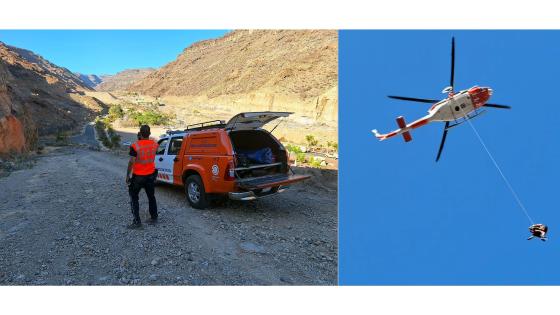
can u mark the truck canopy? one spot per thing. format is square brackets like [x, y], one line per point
[253, 120]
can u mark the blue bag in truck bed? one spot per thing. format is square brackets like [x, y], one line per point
[259, 156]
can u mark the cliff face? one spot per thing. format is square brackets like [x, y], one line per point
[255, 70]
[12, 137]
[11, 130]
[122, 80]
[38, 97]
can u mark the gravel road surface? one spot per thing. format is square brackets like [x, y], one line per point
[87, 137]
[63, 222]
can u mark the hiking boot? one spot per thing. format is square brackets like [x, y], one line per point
[134, 226]
[152, 221]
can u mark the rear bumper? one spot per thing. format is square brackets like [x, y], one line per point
[250, 195]
[264, 182]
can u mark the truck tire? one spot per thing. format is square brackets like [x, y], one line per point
[196, 195]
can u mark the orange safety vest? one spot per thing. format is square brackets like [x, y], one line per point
[145, 156]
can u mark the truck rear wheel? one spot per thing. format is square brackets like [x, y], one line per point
[196, 195]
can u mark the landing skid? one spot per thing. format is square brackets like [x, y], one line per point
[460, 121]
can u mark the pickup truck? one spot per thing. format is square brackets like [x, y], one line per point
[238, 159]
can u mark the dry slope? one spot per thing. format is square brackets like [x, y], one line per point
[255, 70]
[38, 97]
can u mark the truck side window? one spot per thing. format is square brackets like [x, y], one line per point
[175, 146]
[161, 146]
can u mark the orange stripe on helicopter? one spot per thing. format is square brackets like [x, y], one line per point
[419, 123]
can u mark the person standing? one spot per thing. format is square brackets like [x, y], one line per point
[141, 165]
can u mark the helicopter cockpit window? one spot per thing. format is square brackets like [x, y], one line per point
[463, 106]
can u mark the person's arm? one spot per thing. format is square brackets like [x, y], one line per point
[131, 161]
[129, 169]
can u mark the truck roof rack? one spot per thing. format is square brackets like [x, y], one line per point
[207, 125]
[174, 132]
[199, 126]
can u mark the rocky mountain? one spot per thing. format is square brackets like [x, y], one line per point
[11, 129]
[289, 70]
[122, 80]
[52, 73]
[91, 80]
[37, 98]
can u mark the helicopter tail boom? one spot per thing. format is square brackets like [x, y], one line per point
[406, 135]
[379, 136]
[404, 129]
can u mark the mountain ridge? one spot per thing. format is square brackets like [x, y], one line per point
[261, 69]
[91, 80]
[38, 97]
[122, 79]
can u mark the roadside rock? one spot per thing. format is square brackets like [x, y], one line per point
[155, 261]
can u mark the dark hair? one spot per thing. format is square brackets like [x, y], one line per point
[145, 131]
[138, 135]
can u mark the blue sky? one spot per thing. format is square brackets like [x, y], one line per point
[107, 52]
[405, 219]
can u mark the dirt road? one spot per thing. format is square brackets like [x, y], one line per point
[87, 137]
[63, 222]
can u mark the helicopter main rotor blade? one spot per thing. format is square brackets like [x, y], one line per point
[414, 99]
[452, 80]
[445, 129]
[497, 106]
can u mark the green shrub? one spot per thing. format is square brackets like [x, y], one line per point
[100, 127]
[332, 145]
[300, 157]
[115, 140]
[101, 134]
[107, 143]
[61, 137]
[115, 112]
[311, 141]
[314, 162]
[150, 117]
[114, 137]
[293, 148]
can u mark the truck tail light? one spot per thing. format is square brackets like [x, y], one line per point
[230, 171]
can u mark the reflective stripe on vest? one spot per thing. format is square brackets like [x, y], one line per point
[145, 156]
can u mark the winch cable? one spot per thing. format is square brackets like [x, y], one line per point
[500, 171]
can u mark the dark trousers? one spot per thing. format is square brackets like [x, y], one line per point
[137, 182]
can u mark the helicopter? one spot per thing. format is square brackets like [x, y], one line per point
[453, 110]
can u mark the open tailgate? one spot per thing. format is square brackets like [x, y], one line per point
[253, 120]
[270, 181]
